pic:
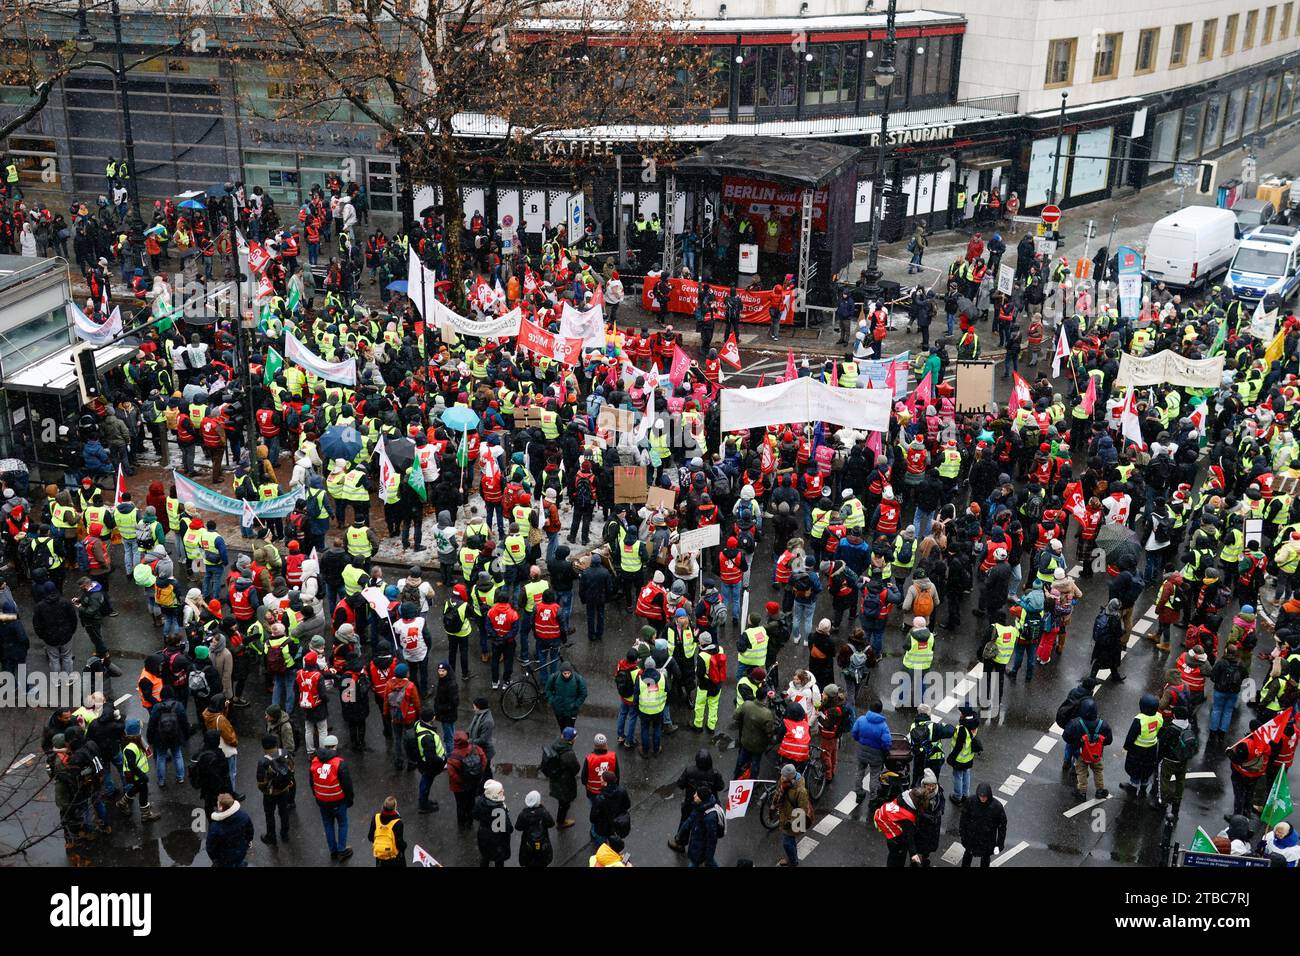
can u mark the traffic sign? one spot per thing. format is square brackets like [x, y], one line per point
[1051, 215]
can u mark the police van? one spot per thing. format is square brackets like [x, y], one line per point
[1266, 263]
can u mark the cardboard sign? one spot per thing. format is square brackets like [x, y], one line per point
[613, 419]
[660, 499]
[974, 386]
[710, 536]
[629, 484]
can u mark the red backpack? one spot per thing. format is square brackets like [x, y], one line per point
[1091, 744]
[718, 668]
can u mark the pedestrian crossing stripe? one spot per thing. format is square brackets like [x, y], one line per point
[1029, 764]
[827, 823]
[1086, 805]
[1008, 854]
[806, 846]
[1045, 744]
[848, 804]
[953, 854]
[1011, 785]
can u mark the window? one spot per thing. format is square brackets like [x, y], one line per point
[1232, 115]
[34, 157]
[34, 339]
[1270, 17]
[1268, 110]
[1105, 62]
[1254, 94]
[1248, 37]
[1060, 62]
[1164, 140]
[1208, 31]
[1213, 124]
[1178, 49]
[1148, 43]
[1284, 28]
[1230, 34]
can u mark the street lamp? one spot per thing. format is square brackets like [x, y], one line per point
[85, 43]
[884, 76]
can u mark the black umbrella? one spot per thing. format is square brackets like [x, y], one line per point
[401, 452]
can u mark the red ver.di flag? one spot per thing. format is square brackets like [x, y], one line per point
[681, 362]
[739, 794]
[541, 342]
[730, 352]
[1074, 502]
[257, 257]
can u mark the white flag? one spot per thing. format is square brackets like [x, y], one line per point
[1062, 351]
[739, 793]
[1263, 324]
[88, 330]
[1130, 425]
[422, 857]
[386, 473]
[249, 517]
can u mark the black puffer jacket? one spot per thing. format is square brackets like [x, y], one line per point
[54, 619]
[701, 775]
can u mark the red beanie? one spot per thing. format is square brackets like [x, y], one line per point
[732, 542]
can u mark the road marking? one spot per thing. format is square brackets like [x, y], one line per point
[827, 823]
[976, 672]
[1054, 729]
[1008, 854]
[848, 804]
[1201, 775]
[1142, 627]
[954, 854]
[1150, 612]
[1029, 764]
[806, 846]
[1103, 675]
[1131, 641]
[20, 763]
[1086, 805]
[945, 705]
[1011, 785]
[1045, 744]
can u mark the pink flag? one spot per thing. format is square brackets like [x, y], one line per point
[835, 374]
[921, 395]
[875, 444]
[761, 379]
[681, 362]
[891, 379]
[790, 373]
[1090, 396]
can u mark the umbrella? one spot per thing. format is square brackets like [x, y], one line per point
[192, 204]
[401, 452]
[340, 441]
[155, 230]
[398, 286]
[460, 419]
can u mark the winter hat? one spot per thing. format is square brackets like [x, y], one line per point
[788, 772]
[132, 727]
[270, 742]
[773, 608]
[201, 653]
[600, 740]
[214, 606]
[928, 776]
[534, 799]
[569, 733]
[494, 791]
[329, 740]
[402, 670]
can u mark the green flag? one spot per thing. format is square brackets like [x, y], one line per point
[1201, 843]
[274, 362]
[462, 453]
[294, 298]
[415, 478]
[1278, 806]
[163, 316]
[1219, 336]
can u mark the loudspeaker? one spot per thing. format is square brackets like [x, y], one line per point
[87, 374]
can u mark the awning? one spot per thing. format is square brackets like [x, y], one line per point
[57, 373]
[803, 162]
[985, 162]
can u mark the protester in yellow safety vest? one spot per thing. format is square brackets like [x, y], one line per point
[1141, 746]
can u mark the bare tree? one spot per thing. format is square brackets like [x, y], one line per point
[24, 786]
[460, 85]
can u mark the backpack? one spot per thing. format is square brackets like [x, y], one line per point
[385, 842]
[1032, 509]
[471, 767]
[1091, 744]
[198, 683]
[803, 587]
[721, 816]
[923, 603]
[717, 668]
[624, 684]
[1184, 747]
[410, 594]
[169, 729]
[411, 745]
[279, 774]
[83, 554]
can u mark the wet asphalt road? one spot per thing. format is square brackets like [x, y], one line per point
[1021, 760]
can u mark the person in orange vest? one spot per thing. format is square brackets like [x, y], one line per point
[212, 430]
[652, 601]
[331, 785]
[896, 819]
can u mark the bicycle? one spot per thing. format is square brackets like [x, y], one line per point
[520, 697]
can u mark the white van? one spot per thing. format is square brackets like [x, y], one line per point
[1191, 246]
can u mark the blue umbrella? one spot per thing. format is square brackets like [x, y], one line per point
[398, 286]
[155, 230]
[191, 204]
[460, 419]
[340, 441]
